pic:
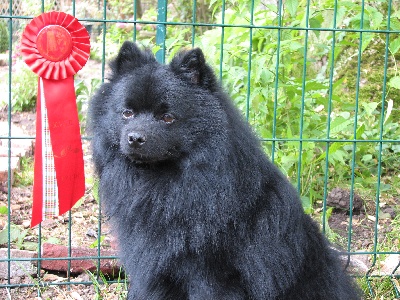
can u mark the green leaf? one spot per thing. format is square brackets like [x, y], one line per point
[294, 46]
[32, 246]
[339, 124]
[395, 82]
[394, 46]
[338, 155]
[384, 187]
[334, 147]
[366, 40]
[383, 215]
[316, 22]
[394, 23]
[3, 210]
[291, 6]
[53, 240]
[307, 204]
[315, 86]
[14, 234]
[376, 18]
[96, 242]
[366, 158]
[370, 107]
[267, 76]
[360, 131]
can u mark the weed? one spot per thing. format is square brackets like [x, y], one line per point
[105, 290]
[379, 288]
[24, 88]
[17, 237]
[84, 92]
[25, 176]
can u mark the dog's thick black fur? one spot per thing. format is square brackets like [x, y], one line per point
[200, 211]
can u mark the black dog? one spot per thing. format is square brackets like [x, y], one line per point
[200, 211]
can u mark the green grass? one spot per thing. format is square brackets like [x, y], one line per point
[105, 290]
[382, 288]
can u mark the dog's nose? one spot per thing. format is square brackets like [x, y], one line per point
[136, 139]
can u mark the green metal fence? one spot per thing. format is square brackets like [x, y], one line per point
[318, 80]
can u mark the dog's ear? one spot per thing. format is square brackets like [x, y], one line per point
[191, 66]
[130, 57]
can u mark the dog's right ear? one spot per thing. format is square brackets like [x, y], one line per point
[190, 65]
[130, 57]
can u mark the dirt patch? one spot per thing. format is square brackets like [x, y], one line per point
[79, 228]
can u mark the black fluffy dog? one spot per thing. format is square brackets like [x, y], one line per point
[200, 211]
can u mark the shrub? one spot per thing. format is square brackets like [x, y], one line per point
[24, 88]
[3, 36]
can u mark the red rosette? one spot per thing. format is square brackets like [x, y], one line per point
[55, 45]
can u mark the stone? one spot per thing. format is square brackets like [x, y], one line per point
[19, 147]
[340, 199]
[26, 224]
[4, 174]
[4, 59]
[391, 265]
[76, 296]
[18, 268]
[77, 266]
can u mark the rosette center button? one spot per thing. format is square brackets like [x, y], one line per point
[54, 43]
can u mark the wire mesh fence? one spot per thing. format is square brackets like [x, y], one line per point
[319, 82]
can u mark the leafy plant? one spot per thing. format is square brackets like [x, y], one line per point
[24, 177]
[284, 92]
[104, 289]
[97, 242]
[3, 210]
[299, 88]
[24, 88]
[3, 36]
[84, 92]
[17, 237]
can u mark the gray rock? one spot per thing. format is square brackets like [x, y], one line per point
[340, 199]
[18, 268]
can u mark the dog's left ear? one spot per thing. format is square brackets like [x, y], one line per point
[191, 66]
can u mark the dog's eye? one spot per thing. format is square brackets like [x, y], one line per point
[168, 118]
[127, 113]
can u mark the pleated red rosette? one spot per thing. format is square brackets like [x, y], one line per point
[56, 46]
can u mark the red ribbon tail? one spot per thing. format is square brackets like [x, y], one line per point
[66, 140]
[38, 173]
[66, 143]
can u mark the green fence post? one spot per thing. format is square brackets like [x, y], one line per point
[161, 29]
[10, 53]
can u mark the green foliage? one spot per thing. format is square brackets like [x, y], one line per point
[24, 177]
[383, 287]
[121, 9]
[24, 88]
[117, 33]
[299, 89]
[104, 290]
[114, 38]
[3, 36]
[17, 237]
[84, 92]
[286, 92]
[3, 210]
[97, 242]
[33, 8]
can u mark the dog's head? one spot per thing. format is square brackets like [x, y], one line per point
[161, 112]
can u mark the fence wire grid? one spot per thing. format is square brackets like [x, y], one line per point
[318, 80]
